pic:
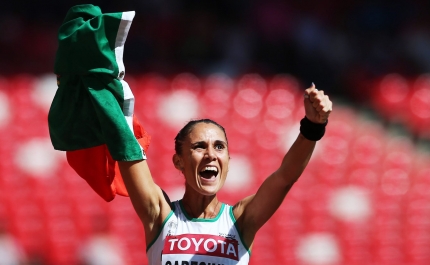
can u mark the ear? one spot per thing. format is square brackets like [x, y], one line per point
[177, 162]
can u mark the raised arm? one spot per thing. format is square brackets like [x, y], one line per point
[149, 201]
[252, 212]
[93, 109]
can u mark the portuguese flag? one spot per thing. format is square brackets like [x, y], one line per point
[92, 114]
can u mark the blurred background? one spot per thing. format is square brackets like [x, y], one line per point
[363, 198]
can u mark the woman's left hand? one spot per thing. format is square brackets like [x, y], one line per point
[317, 105]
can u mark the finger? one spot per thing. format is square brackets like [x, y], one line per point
[308, 90]
[327, 105]
[322, 104]
[325, 112]
[316, 93]
[317, 98]
[312, 96]
[316, 104]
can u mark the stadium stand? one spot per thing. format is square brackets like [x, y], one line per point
[362, 200]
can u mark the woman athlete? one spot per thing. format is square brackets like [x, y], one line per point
[93, 112]
[199, 229]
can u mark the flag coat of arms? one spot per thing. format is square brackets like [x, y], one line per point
[92, 114]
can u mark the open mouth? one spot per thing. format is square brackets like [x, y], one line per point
[209, 172]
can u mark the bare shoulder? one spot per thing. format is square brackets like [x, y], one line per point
[244, 223]
[165, 205]
[240, 207]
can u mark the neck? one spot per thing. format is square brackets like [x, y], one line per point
[201, 206]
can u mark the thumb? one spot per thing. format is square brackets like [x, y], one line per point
[308, 99]
[308, 90]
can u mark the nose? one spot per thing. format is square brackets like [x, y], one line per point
[210, 153]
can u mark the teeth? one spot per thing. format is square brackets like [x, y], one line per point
[210, 169]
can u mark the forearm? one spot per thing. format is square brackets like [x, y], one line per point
[254, 211]
[273, 190]
[141, 188]
[147, 198]
[296, 160]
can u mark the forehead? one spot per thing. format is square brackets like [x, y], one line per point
[206, 131]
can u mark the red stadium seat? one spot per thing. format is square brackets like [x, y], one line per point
[186, 81]
[367, 150]
[216, 102]
[248, 104]
[280, 103]
[419, 111]
[366, 178]
[390, 97]
[399, 153]
[254, 82]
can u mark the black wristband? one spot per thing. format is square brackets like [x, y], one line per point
[312, 131]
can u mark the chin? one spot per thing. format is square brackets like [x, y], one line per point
[209, 191]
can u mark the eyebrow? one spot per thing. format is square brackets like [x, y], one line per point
[216, 142]
[221, 141]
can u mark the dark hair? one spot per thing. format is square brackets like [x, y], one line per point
[185, 131]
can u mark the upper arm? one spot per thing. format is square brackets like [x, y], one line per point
[254, 211]
[149, 201]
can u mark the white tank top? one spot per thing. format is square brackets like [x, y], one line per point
[195, 241]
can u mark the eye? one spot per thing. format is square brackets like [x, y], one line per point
[219, 147]
[198, 146]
